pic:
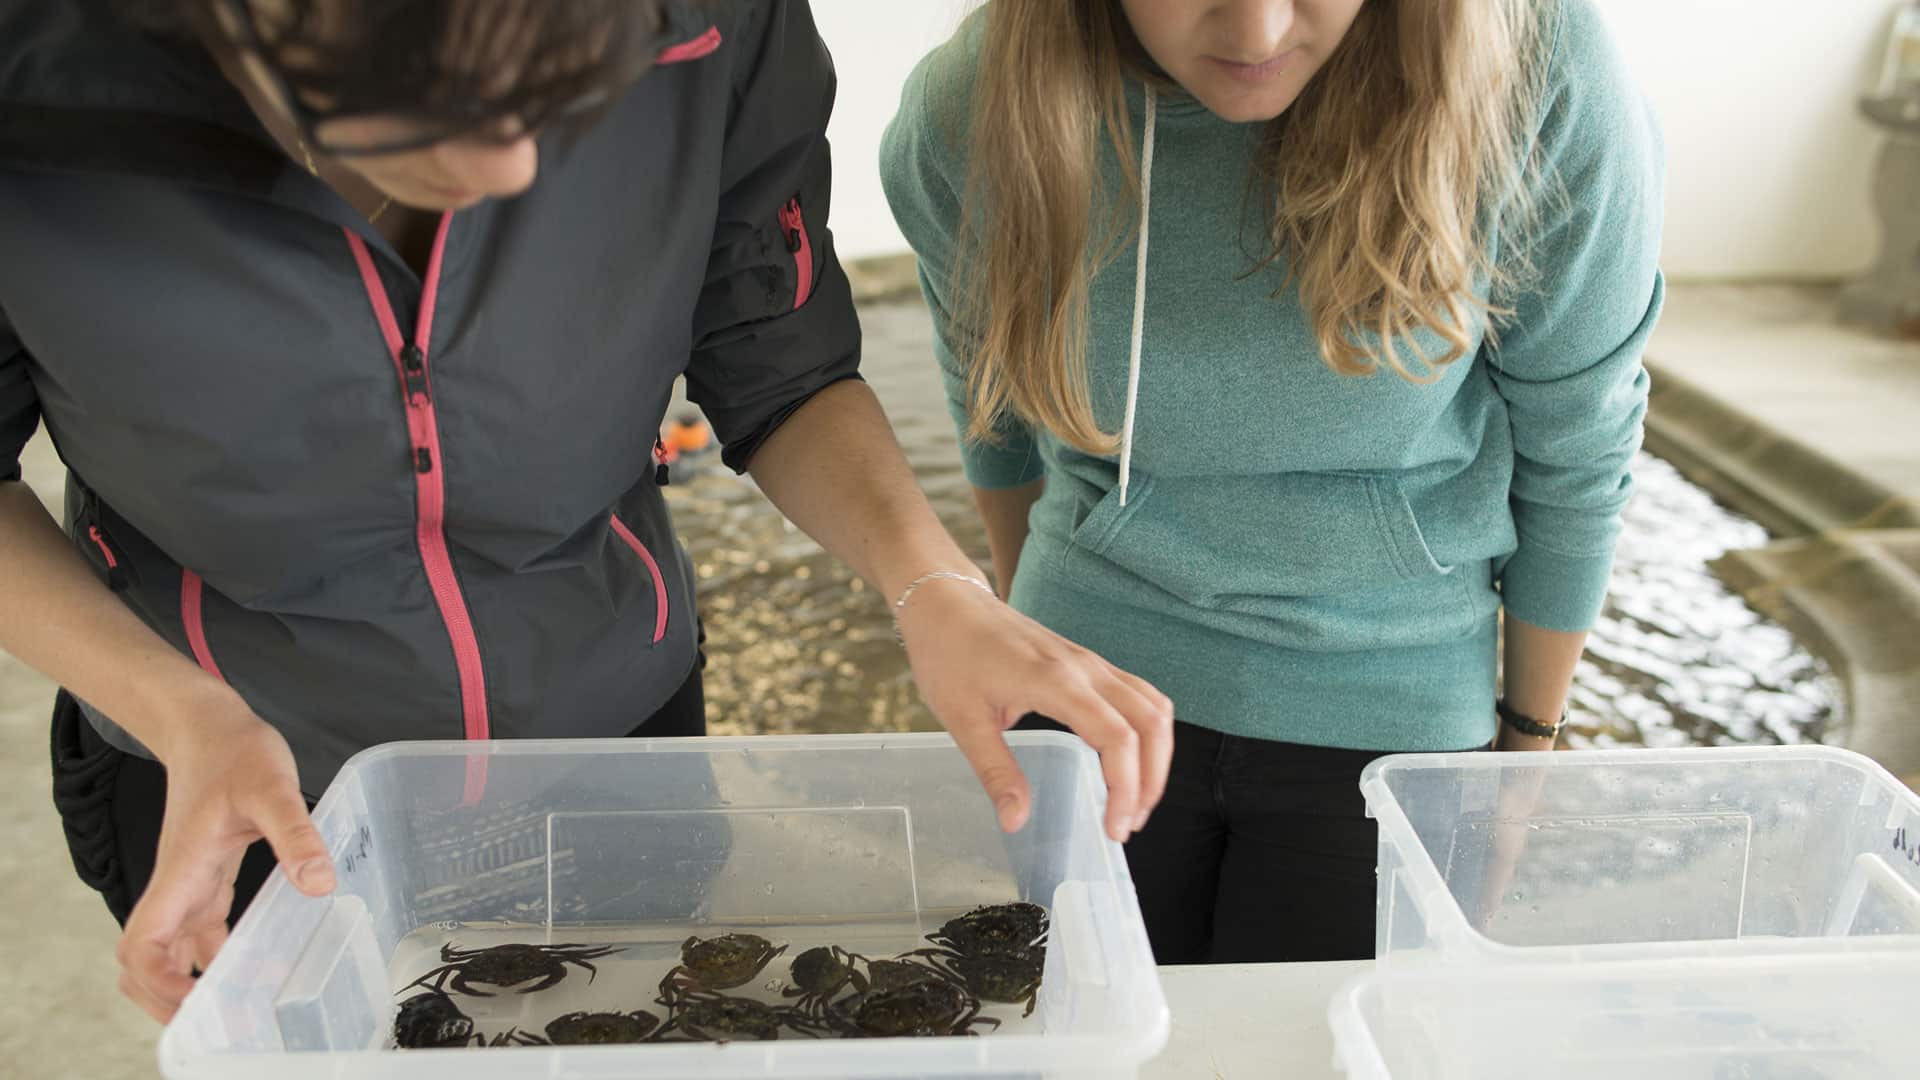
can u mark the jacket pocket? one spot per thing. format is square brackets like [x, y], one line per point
[94, 534]
[660, 602]
[85, 768]
[1221, 542]
[793, 227]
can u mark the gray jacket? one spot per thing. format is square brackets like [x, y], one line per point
[387, 507]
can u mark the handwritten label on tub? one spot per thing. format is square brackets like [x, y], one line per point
[1906, 846]
[356, 851]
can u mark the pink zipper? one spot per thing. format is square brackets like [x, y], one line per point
[410, 363]
[802, 247]
[704, 45]
[195, 622]
[659, 580]
[93, 533]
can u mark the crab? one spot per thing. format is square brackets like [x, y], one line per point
[819, 974]
[431, 1019]
[505, 966]
[997, 928]
[707, 1016]
[583, 1028]
[929, 1006]
[719, 963]
[1010, 978]
[896, 973]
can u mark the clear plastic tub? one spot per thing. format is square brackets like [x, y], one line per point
[1777, 1017]
[872, 839]
[1490, 859]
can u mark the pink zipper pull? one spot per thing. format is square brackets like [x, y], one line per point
[116, 575]
[795, 224]
[413, 364]
[93, 533]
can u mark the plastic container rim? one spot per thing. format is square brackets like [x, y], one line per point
[866, 1057]
[1441, 911]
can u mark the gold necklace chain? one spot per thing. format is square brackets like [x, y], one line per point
[306, 158]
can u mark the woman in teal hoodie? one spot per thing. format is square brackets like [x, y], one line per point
[1292, 342]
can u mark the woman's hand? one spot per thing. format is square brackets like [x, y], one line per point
[981, 666]
[835, 470]
[230, 782]
[230, 777]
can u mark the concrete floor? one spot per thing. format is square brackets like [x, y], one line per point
[1777, 354]
[62, 1015]
[1813, 428]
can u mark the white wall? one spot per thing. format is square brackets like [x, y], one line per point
[875, 44]
[1768, 159]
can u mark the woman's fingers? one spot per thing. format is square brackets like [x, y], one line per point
[1093, 718]
[986, 750]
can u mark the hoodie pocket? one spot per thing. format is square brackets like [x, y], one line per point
[1236, 543]
[660, 605]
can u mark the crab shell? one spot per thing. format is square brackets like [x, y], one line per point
[583, 1028]
[820, 969]
[726, 961]
[728, 1017]
[430, 1019]
[930, 1007]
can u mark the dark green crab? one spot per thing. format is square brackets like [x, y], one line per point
[998, 951]
[928, 1006]
[719, 963]
[1005, 977]
[597, 1028]
[994, 928]
[821, 972]
[504, 966]
[706, 1016]
[893, 974]
[430, 1019]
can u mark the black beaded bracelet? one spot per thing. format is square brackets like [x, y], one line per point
[1527, 725]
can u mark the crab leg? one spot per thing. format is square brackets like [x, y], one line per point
[551, 980]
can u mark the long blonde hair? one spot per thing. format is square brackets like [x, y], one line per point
[1379, 191]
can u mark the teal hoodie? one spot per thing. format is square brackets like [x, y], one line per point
[1303, 555]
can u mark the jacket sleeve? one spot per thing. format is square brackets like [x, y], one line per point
[1568, 360]
[775, 323]
[19, 405]
[923, 175]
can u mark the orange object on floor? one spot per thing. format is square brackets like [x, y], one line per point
[688, 435]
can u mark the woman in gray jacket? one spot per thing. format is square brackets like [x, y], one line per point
[354, 323]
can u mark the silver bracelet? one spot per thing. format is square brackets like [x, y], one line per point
[937, 575]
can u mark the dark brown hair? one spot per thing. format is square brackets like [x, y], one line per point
[453, 65]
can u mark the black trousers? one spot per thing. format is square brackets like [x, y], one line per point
[110, 802]
[1259, 852]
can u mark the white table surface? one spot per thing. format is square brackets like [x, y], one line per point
[1239, 1021]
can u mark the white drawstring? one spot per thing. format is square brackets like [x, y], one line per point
[1139, 299]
